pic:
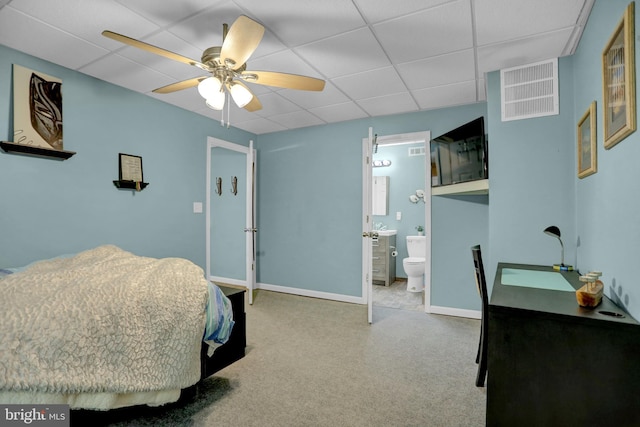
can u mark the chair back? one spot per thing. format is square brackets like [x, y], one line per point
[481, 282]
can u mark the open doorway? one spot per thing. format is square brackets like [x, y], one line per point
[401, 163]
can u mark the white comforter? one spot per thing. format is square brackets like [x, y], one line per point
[103, 321]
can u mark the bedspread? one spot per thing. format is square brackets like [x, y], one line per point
[104, 320]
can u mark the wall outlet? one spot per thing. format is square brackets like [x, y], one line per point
[398, 216]
[197, 207]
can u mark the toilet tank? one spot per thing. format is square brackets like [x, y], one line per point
[417, 246]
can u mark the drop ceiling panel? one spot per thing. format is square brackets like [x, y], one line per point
[377, 58]
[126, 73]
[525, 18]
[165, 13]
[82, 18]
[447, 96]
[296, 119]
[368, 84]
[307, 100]
[21, 32]
[389, 104]
[435, 31]
[348, 53]
[305, 21]
[439, 70]
[374, 11]
[523, 51]
[339, 112]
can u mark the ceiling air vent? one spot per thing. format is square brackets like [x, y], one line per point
[530, 90]
[416, 151]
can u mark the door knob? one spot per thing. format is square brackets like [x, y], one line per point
[246, 230]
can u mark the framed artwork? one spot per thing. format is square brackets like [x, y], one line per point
[37, 109]
[130, 168]
[587, 149]
[619, 85]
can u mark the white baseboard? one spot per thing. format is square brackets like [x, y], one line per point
[310, 293]
[458, 312]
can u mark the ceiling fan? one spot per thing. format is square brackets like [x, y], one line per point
[228, 68]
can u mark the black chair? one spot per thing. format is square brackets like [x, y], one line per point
[481, 283]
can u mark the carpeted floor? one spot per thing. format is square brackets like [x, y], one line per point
[313, 362]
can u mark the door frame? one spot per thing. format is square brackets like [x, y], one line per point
[250, 215]
[367, 176]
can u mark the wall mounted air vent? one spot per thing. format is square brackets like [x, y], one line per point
[416, 151]
[530, 90]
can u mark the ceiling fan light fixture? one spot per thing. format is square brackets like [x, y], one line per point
[240, 94]
[216, 102]
[210, 87]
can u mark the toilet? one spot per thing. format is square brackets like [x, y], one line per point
[414, 265]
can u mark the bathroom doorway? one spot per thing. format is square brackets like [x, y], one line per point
[403, 162]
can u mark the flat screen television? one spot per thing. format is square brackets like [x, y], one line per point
[460, 155]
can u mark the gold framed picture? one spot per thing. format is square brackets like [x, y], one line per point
[587, 149]
[619, 81]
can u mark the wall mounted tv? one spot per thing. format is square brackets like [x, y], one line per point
[460, 155]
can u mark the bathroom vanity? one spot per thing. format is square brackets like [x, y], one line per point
[383, 262]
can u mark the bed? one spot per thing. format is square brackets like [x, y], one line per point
[105, 329]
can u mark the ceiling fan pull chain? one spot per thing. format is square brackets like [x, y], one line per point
[228, 111]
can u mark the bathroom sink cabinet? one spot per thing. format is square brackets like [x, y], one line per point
[384, 265]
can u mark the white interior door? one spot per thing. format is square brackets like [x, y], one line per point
[230, 214]
[367, 173]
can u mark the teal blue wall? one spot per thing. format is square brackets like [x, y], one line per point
[310, 207]
[49, 207]
[607, 232]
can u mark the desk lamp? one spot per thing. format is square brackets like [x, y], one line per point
[555, 232]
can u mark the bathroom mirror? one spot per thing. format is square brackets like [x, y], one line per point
[380, 196]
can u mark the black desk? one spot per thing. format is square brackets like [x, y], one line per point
[553, 363]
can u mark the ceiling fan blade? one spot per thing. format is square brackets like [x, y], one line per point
[241, 41]
[284, 80]
[153, 49]
[254, 104]
[185, 84]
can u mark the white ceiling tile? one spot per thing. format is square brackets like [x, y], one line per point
[523, 51]
[126, 73]
[339, 112]
[524, 18]
[297, 22]
[347, 53]
[26, 34]
[87, 19]
[311, 99]
[368, 84]
[439, 70]
[389, 104]
[435, 31]
[375, 11]
[296, 119]
[273, 104]
[449, 95]
[259, 126]
[164, 13]
[183, 98]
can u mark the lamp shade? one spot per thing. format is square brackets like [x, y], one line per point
[552, 231]
[216, 102]
[240, 94]
[209, 87]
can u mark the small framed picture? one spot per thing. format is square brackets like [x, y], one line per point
[587, 148]
[619, 81]
[130, 168]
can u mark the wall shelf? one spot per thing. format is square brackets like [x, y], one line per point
[130, 185]
[32, 150]
[470, 188]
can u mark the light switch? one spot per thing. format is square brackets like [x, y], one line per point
[197, 207]
[398, 216]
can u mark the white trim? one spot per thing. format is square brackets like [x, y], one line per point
[457, 312]
[227, 280]
[311, 293]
